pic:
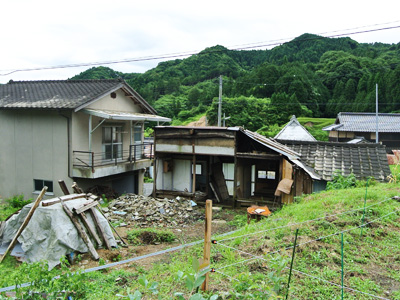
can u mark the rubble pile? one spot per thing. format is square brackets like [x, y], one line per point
[147, 211]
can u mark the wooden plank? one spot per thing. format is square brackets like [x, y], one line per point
[219, 178]
[112, 227]
[90, 228]
[63, 187]
[76, 188]
[85, 207]
[207, 242]
[81, 232]
[24, 223]
[62, 198]
[214, 191]
[287, 170]
[99, 228]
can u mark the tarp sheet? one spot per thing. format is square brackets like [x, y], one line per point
[50, 234]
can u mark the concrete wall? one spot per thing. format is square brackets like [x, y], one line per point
[34, 145]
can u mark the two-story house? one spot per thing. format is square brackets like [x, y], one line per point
[87, 131]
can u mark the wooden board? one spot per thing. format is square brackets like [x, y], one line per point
[219, 180]
[63, 198]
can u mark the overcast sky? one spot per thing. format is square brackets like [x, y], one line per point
[42, 33]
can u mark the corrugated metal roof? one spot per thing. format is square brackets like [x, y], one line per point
[363, 160]
[294, 131]
[365, 122]
[61, 94]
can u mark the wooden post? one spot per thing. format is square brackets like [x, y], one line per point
[207, 242]
[112, 227]
[25, 223]
[63, 187]
[81, 232]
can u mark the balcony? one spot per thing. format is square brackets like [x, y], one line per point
[88, 164]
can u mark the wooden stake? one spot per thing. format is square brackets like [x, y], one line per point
[207, 242]
[25, 223]
[81, 232]
[63, 187]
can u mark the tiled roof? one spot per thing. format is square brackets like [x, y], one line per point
[294, 131]
[60, 94]
[365, 122]
[363, 160]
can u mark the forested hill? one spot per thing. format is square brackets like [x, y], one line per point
[308, 76]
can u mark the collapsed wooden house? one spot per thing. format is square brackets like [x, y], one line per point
[229, 164]
[237, 166]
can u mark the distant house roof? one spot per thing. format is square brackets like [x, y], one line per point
[63, 94]
[294, 131]
[358, 140]
[365, 122]
[363, 160]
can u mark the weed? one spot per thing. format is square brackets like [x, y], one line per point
[150, 236]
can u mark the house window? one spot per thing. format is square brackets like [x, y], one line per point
[40, 183]
[266, 174]
[198, 169]
[112, 142]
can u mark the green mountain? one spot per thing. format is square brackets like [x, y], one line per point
[310, 76]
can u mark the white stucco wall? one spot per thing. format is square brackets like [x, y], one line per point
[179, 179]
[120, 103]
[33, 145]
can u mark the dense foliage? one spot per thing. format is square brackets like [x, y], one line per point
[310, 76]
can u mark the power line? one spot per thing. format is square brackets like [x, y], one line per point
[184, 54]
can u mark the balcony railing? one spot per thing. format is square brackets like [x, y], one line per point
[87, 159]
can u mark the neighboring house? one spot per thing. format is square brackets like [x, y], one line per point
[363, 160]
[349, 125]
[294, 131]
[87, 131]
[227, 163]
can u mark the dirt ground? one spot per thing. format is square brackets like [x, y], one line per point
[185, 233]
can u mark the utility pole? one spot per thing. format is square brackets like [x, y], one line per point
[376, 106]
[220, 101]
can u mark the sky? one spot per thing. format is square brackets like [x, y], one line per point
[44, 34]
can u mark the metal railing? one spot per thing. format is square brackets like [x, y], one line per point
[87, 159]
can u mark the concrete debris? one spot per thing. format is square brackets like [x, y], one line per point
[146, 211]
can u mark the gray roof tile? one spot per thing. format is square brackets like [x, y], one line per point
[365, 122]
[60, 94]
[363, 160]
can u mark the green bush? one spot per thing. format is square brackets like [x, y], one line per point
[342, 182]
[147, 236]
[18, 201]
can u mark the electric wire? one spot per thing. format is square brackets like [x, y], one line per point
[303, 222]
[182, 54]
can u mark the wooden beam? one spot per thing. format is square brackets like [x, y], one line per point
[24, 223]
[90, 228]
[63, 198]
[112, 227]
[85, 207]
[99, 227]
[76, 188]
[63, 187]
[81, 232]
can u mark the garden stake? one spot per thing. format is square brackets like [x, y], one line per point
[291, 263]
[365, 201]
[207, 242]
[342, 267]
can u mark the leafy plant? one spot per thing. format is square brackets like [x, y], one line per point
[341, 182]
[149, 236]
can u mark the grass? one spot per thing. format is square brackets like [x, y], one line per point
[371, 260]
[11, 205]
[146, 236]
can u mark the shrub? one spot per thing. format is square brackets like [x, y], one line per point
[150, 236]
